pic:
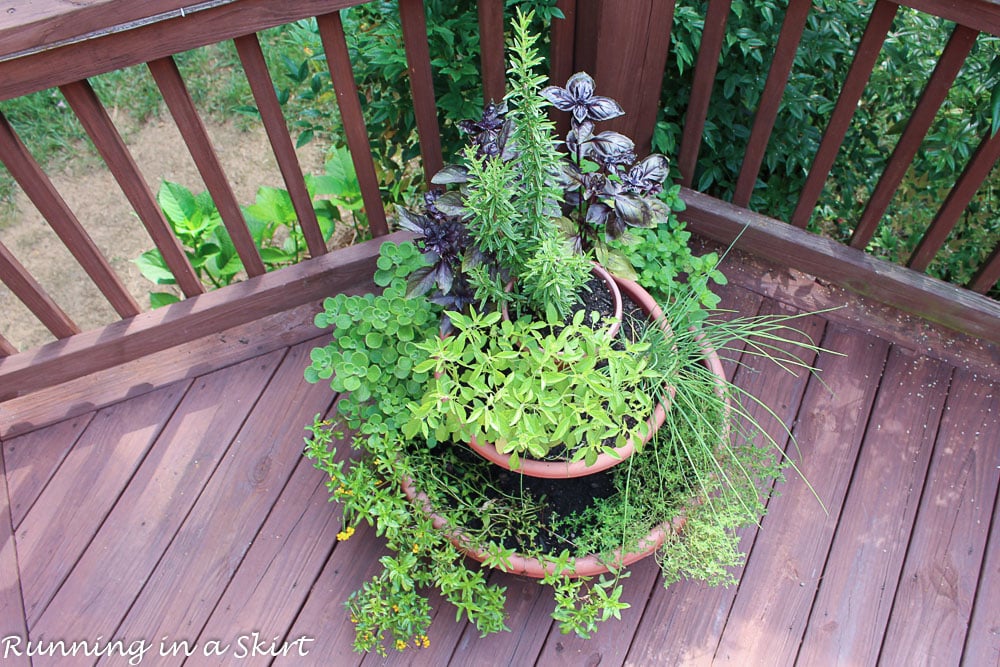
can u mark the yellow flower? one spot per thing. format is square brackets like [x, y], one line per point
[422, 641]
[400, 645]
[345, 534]
[416, 548]
[307, 51]
[395, 608]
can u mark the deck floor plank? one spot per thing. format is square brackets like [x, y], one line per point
[784, 569]
[933, 604]
[196, 567]
[187, 512]
[66, 516]
[982, 645]
[32, 460]
[855, 596]
[130, 544]
[12, 621]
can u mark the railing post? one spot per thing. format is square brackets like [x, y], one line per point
[623, 44]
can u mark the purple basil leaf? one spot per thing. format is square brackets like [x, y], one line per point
[420, 282]
[652, 171]
[603, 108]
[411, 221]
[451, 173]
[580, 86]
[559, 97]
[450, 203]
[598, 214]
[632, 210]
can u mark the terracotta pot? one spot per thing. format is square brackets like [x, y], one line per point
[616, 298]
[565, 469]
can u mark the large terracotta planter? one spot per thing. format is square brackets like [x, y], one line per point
[566, 469]
[589, 565]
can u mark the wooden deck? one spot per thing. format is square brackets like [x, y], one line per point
[187, 514]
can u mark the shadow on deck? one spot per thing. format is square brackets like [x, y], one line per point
[186, 518]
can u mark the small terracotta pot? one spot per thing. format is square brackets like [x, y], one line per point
[616, 298]
[566, 469]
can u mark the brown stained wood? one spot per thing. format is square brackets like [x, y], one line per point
[828, 260]
[331, 32]
[31, 461]
[39, 189]
[623, 45]
[130, 543]
[272, 582]
[26, 288]
[980, 14]
[262, 88]
[418, 62]
[64, 519]
[982, 642]
[947, 217]
[785, 568]
[682, 624]
[988, 275]
[610, 644]
[348, 270]
[181, 106]
[770, 98]
[958, 48]
[141, 44]
[701, 92]
[860, 72]
[6, 347]
[81, 396]
[933, 603]
[529, 607]
[12, 619]
[111, 146]
[231, 508]
[851, 610]
[39, 24]
[492, 61]
[324, 616]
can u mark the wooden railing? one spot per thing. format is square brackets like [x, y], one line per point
[53, 44]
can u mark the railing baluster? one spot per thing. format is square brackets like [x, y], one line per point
[262, 87]
[53, 207]
[109, 144]
[972, 177]
[31, 294]
[179, 102]
[331, 32]
[6, 349]
[770, 98]
[840, 121]
[418, 60]
[491, 50]
[988, 275]
[701, 92]
[959, 45]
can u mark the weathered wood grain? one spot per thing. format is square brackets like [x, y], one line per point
[933, 605]
[68, 513]
[852, 607]
[786, 565]
[130, 543]
[181, 593]
[12, 618]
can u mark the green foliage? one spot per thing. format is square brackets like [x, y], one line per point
[271, 219]
[507, 383]
[669, 270]
[912, 48]
[375, 353]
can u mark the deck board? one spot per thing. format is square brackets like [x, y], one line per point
[131, 543]
[852, 607]
[933, 604]
[187, 513]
